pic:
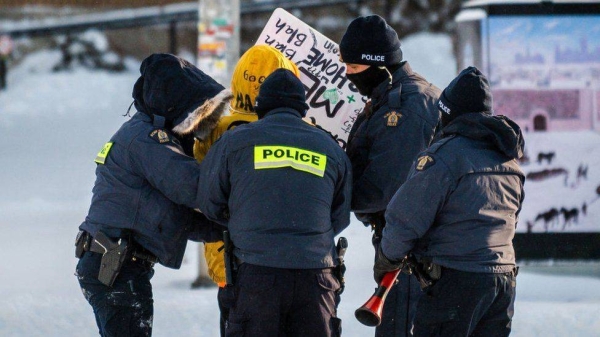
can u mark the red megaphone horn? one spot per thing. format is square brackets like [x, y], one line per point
[370, 313]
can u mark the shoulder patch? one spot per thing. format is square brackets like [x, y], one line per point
[101, 156]
[160, 136]
[392, 118]
[424, 162]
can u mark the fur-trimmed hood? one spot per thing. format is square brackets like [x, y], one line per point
[204, 118]
[175, 89]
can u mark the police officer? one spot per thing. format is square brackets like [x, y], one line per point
[283, 188]
[398, 121]
[146, 189]
[457, 214]
[251, 70]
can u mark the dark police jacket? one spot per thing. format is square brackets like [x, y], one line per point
[461, 202]
[146, 187]
[383, 143]
[283, 189]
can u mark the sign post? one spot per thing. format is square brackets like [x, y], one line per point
[218, 52]
[218, 38]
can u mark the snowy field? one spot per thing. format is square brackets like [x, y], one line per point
[53, 124]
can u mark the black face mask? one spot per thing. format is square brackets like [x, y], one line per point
[446, 119]
[368, 79]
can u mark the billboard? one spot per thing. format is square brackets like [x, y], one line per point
[545, 70]
[543, 64]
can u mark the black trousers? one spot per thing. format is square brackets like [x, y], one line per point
[400, 305]
[126, 308]
[226, 300]
[284, 302]
[399, 308]
[467, 304]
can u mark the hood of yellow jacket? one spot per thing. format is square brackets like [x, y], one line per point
[254, 66]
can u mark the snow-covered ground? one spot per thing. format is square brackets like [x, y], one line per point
[53, 124]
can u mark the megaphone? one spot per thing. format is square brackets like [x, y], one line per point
[370, 313]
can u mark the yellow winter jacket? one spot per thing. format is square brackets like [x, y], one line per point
[214, 252]
[251, 70]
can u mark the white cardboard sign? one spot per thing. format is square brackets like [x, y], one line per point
[334, 102]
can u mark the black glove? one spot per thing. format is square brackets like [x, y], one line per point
[383, 265]
[205, 230]
[365, 218]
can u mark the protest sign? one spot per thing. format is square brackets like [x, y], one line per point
[333, 100]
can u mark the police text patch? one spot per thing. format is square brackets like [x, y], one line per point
[160, 136]
[424, 162]
[101, 156]
[274, 156]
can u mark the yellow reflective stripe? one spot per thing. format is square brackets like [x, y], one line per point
[272, 156]
[101, 157]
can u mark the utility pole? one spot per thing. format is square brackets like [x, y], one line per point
[218, 52]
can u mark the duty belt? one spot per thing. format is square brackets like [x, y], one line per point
[85, 243]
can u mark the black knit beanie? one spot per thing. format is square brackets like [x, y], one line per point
[281, 89]
[469, 92]
[370, 40]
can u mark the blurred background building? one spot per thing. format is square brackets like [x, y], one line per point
[139, 37]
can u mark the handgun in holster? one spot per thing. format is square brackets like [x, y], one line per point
[113, 256]
[340, 269]
[425, 271]
[230, 265]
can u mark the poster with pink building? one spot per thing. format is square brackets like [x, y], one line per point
[545, 70]
[542, 59]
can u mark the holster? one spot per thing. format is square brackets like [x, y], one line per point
[113, 256]
[425, 271]
[340, 269]
[230, 261]
[432, 270]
